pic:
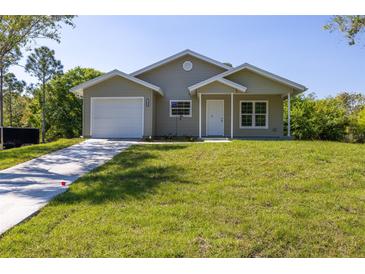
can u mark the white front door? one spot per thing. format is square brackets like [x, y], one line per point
[215, 117]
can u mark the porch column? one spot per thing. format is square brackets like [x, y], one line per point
[200, 115]
[232, 115]
[288, 114]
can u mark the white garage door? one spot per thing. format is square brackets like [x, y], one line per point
[120, 117]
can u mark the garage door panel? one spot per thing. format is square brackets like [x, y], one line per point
[117, 118]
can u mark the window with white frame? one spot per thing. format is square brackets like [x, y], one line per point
[254, 114]
[180, 108]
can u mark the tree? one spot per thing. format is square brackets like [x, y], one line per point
[66, 114]
[14, 87]
[16, 32]
[43, 65]
[11, 58]
[353, 101]
[330, 119]
[323, 119]
[350, 25]
[20, 112]
[361, 125]
[302, 116]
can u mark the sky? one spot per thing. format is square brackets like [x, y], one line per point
[294, 47]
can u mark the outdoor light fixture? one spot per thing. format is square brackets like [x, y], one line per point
[147, 102]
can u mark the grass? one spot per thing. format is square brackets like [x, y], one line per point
[238, 199]
[14, 156]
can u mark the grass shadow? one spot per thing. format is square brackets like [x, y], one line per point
[165, 147]
[127, 175]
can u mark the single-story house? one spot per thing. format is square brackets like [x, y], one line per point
[186, 94]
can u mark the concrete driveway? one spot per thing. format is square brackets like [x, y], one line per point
[27, 187]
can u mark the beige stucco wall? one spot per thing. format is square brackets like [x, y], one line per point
[174, 82]
[258, 84]
[116, 87]
[216, 87]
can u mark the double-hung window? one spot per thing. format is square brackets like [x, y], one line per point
[180, 108]
[254, 114]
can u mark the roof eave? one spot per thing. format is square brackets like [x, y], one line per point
[176, 56]
[113, 73]
[252, 68]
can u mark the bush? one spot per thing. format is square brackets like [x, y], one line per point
[323, 119]
[330, 119]
[357, 126]
[302, 117]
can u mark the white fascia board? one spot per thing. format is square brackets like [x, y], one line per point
[78, 89]
[222, 81]
[274, 77]
[178, 55]
[232, 84]
[252, 68]
[205, 82]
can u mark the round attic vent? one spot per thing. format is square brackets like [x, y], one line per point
[187, 66]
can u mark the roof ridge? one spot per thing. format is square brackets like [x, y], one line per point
[178, 55]
[112, 73]
[258, 70]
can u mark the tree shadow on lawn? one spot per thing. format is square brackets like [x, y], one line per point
[127, 175]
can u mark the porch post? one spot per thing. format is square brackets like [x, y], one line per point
[200, 115]
[232, 115]
[289, 114]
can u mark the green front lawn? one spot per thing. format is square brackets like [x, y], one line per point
[239, 199]
[14, 156]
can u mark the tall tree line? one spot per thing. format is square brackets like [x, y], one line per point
[16, 33]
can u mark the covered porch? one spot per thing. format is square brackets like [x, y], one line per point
[227, 110]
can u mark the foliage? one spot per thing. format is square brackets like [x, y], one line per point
[361, 119]
[353, 102]
[350, 25]
[66, 115]
[10, 58]
[14, 156]
[302, 117]
[19, 110]
[43, 65]
[64, 109]
[330, 119]
[326, 119]
[14, 89]
[237, 199]
[16, 32]
[357, 126]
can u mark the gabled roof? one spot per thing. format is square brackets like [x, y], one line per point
[178, 55]
[232, 84]
[247, 66]
[79, 88]
[226, 82]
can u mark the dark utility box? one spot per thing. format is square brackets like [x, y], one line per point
[16, 137]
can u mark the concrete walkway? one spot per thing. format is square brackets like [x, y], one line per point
[27, 187]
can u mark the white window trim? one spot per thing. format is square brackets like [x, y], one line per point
[191, 108]
[253, 114]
